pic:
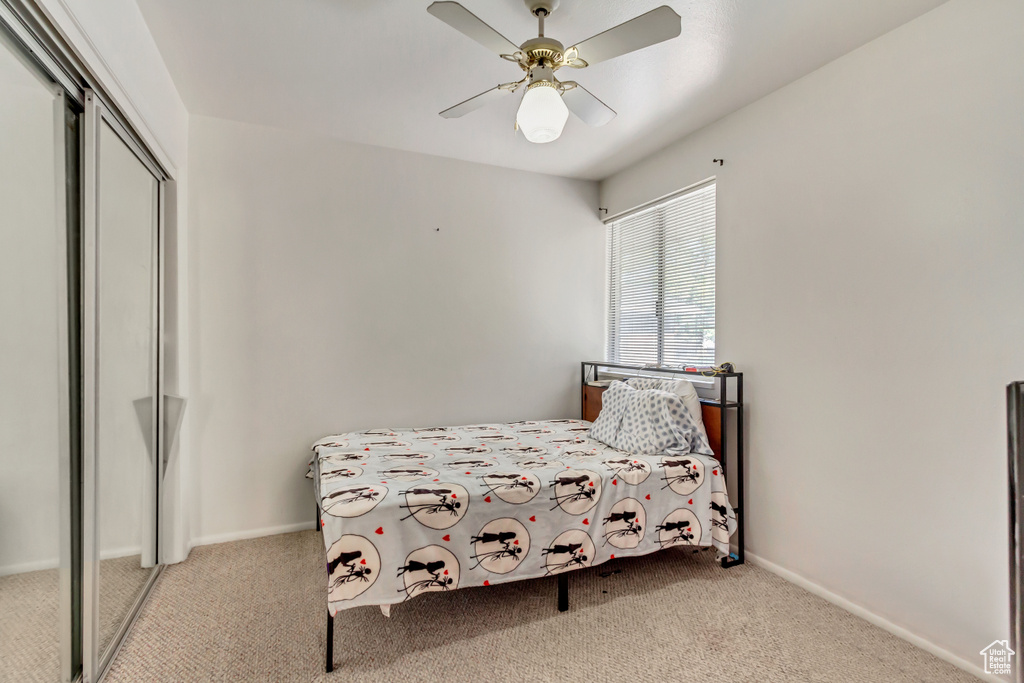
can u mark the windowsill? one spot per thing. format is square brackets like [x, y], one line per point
[699, 382]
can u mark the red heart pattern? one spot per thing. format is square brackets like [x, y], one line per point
[380, 530]
[446, 537]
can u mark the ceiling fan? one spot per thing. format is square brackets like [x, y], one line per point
[547, 101]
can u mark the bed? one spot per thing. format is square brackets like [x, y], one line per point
[408, 511]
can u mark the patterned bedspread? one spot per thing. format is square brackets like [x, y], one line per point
[404, 512]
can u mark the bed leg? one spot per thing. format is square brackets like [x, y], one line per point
[563, 592]
[330, 642]
[739, 557]
[731, 561]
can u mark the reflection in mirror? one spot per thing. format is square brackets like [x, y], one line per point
[31, 357]
[126, 380]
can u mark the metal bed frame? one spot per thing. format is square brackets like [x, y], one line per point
[593, 369]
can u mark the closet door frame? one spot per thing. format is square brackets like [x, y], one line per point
[64, 407]
[94, 660]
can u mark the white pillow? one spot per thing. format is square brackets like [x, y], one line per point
[681, 388]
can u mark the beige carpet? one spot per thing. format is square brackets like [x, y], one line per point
[255, 611]
[29, 618]
[121, 581]
[29, 639]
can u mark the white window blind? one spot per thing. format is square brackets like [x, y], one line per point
[661, 282]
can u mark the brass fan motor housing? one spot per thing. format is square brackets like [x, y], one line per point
[542, 51]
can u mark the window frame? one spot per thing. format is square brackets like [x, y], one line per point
[655, 205]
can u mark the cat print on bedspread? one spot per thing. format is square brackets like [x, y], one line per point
[410, 511]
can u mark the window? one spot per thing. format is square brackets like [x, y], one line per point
[661, 282]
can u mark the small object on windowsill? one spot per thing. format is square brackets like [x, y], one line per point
[599, 383]
[712, 370]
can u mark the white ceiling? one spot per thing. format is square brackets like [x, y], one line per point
[378, 71]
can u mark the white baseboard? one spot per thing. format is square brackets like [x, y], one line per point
[54, 563]
[252, 533]
[39, 565]
[114, 553]
[872, 618]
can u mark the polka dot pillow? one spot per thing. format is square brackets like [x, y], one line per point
[647, 421]
[613, 405]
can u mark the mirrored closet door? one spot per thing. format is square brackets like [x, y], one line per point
[125, 318]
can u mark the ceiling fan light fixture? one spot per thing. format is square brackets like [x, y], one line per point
[542, 113]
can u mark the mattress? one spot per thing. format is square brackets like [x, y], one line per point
[410, 511]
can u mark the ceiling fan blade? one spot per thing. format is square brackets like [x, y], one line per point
[464, 21]
[654, 27]
[474, 103]
[588, 108]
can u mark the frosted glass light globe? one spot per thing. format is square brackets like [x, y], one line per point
[542, 114]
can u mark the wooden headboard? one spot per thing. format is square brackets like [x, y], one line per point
[711, 414]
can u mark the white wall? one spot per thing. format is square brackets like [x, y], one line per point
[338, 286]
[870, 286]
[126, 227]
[29, 349]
